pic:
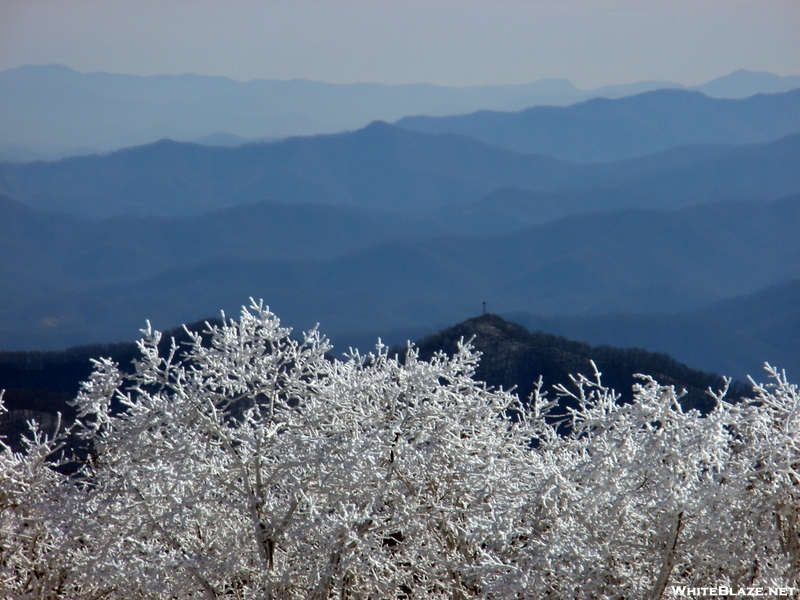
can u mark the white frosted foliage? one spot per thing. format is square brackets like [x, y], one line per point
[249, 465]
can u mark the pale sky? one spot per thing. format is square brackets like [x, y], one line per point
[447, 42]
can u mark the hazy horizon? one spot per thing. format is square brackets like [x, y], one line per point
[292, 79]
[591, 44]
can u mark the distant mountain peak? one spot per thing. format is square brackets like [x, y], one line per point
[379, 125]
[606, 129]
[52, 68]
[743, 83]
[512, 356]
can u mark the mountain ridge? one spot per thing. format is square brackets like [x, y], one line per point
[378, 164]
[385, 167]
[53, 111]
[606, 130]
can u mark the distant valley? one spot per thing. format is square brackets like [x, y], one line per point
[98, 280]
[735, 336]
[667, 220]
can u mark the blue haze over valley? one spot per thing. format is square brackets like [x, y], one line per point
[650, 215]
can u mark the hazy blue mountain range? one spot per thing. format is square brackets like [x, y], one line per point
[71, 281]
[52, 250]
[734, 336]
[52, 111]
[608, 130]
[380, 166]
[395, 232]
[743, 83]
[386, 167]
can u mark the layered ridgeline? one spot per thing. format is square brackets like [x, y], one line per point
[385, 231]
[392, 232]
[390, 168]
[607, 130]
[52, 111]
[438, 179]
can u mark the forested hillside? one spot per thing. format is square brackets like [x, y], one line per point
[733, 336]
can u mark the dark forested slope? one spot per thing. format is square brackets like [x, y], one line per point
[513, 356]
[38, 385]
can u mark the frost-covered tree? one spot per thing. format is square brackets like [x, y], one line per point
[249, 465]
[33, 496]
[653, 496]
[255, 467]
